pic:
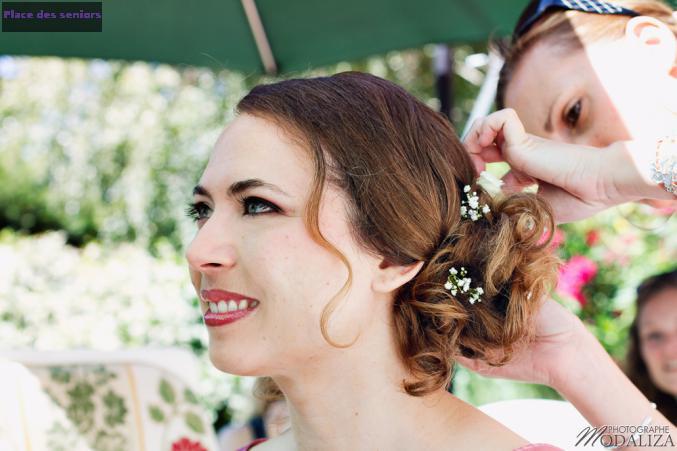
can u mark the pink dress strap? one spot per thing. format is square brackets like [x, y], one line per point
[538, 447]
[253, 444]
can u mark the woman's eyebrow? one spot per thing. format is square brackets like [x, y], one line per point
[239, 187]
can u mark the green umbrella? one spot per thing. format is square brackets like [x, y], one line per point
[272, 36]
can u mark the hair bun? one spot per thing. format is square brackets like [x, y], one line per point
[507, 255]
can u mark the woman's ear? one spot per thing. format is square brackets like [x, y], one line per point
[390, 276]
[656, 41]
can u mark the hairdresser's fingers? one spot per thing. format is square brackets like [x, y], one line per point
[577, 169]
[561, 164]
[479, 153]
[491, 154]
[566, 206]
[503, 125]
[471, 140]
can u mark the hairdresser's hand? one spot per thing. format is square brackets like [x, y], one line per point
[578, 181]
[558, 340]
[568, 358]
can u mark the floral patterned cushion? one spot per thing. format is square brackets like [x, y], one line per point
[125, 406]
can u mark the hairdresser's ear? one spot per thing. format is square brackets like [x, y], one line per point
[390, 277]
[656, 41]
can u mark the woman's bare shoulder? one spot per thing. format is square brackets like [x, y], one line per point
[480, 431]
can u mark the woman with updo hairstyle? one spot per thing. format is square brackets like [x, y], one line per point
[651, 362]
[345, 250]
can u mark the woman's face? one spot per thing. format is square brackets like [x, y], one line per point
[658, 339]
[252, 248]
[609, 91]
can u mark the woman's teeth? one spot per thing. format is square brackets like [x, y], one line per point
[231, 306]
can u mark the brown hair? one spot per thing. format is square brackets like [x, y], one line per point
[635, 366]
[570, 30]
[403, 169]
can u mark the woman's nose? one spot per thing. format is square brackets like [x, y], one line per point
[212, 248]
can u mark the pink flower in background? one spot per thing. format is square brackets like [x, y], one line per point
[573, 276]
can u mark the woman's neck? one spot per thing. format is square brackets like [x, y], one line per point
[355, 399]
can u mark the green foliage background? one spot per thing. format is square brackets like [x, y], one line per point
[109, 151]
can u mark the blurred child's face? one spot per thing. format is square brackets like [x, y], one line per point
[658, 339]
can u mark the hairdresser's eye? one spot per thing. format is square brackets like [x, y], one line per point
[198, 211]
[253, 206]
[573, 114]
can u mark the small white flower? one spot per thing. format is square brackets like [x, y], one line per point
[457, 281]
[470, 206]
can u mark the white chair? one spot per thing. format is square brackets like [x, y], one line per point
[136, 400]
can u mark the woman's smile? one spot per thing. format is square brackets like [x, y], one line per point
[225, 307]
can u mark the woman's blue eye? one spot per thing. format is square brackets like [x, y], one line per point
[255, 206]
[251, 206]
[198, 210]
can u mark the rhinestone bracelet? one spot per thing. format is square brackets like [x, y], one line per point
[664, 168]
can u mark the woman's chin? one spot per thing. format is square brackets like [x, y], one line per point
[232, 363]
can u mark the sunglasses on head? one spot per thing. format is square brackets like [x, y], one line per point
[537, 8]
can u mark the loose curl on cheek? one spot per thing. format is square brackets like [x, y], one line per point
[311, 218]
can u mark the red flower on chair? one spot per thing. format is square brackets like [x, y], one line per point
[184, 444]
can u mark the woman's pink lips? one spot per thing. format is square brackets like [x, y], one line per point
[222, 295]
[221, 319]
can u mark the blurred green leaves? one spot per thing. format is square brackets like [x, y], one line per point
[110, 151]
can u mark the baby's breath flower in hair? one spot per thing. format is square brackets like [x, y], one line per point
[458, 281]
[470, 207]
